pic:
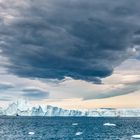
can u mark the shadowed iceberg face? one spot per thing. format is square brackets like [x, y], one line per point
[80, 39]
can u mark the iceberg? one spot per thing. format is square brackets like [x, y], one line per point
[23, 108]
[37, 111]
[11, 109]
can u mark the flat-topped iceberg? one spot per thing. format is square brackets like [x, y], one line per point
[23, 108]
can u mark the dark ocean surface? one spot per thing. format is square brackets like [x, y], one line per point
[67, 128]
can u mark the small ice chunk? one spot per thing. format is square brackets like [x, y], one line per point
[75, 124]
[31, 133]
[109, 124]
[78, 133]
[136, 136]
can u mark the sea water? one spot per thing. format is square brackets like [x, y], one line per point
[62, 128]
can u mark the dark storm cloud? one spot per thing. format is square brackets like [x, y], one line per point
[76, 38]
[35, 94]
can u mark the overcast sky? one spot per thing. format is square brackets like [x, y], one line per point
[59, 52]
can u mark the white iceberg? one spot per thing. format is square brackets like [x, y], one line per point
[136, 136]
[23, 108]
[109, 124]
[78, 133]
[31, 133]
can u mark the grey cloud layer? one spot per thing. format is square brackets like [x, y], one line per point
[127, 89]
[76, 38]
[35, 94]
[4, 86]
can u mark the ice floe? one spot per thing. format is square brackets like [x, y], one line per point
[109, 124]
[74, 124]
[78, 133]
[136, 136]
[31, 133]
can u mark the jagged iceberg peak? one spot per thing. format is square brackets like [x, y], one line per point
[11, 109]
[19, 107]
